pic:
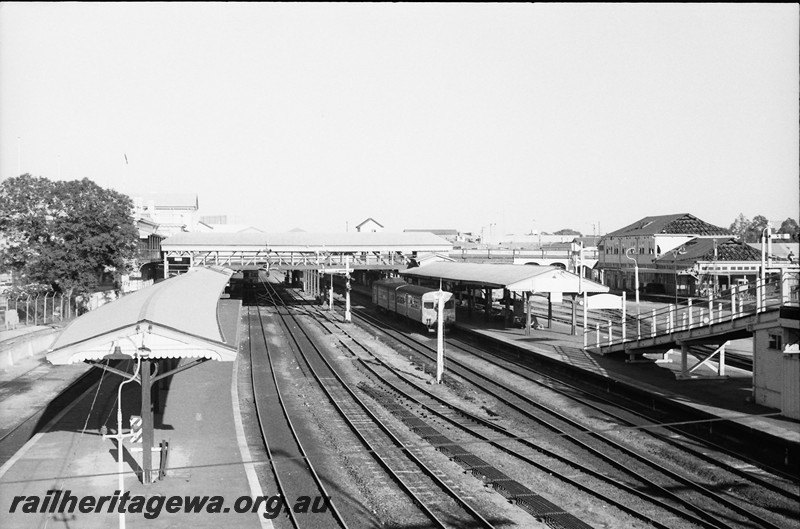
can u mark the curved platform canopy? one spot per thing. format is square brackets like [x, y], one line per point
[515, 278]
[176, 318]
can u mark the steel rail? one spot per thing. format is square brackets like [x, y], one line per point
[552, 382]
[83, 378]
[292, 429]
[610, 460]
[427, 471]
[511, 437]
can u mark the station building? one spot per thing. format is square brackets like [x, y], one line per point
[641, 244]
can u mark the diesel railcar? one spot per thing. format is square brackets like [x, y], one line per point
[410, 301]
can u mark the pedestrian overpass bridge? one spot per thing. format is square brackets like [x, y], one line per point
[714, 321]
[299, 250]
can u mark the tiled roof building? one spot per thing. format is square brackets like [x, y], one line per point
[678, 224]
[665, 249]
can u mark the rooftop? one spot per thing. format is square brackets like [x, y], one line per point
[676, 224]
[518, 278]
[713, 249]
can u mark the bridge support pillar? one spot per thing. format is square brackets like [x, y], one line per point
[684, 360]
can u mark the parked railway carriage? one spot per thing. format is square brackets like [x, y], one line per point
[411, 301]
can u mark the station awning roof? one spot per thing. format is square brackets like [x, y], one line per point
[175, 318]
[516, 278]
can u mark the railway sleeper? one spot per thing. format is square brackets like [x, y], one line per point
[529, 501]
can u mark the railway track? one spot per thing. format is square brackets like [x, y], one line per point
[15, 436]
[294, 474]
[519, 448]
[631, 414]
[728, 511]
[442, 505]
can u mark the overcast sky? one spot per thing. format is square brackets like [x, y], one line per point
[525, 116]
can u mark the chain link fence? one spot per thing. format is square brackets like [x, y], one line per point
[51, 308]
[39, 309]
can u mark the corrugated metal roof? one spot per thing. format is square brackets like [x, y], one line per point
[676, 224]
[517, 278]
[174, 318]
[435, 232]
[780, 248]
[302, 241]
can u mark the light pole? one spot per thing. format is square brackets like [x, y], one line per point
[636, 286]
[675, 253]
[765, 232]
[636, 274]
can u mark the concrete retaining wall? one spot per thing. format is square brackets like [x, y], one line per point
[13, 350]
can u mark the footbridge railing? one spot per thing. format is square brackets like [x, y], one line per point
[620, 330]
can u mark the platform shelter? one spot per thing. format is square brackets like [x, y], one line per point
[517, 281]
[164, 329]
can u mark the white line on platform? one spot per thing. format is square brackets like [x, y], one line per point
[249, 469]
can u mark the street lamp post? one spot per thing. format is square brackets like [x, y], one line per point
[635, 273]
[675, 253]
[636, 286]
[761, 291]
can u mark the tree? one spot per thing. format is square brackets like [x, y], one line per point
[791, 227]
[567, 231]
[755, 228]
[64, 234]
[739, 226]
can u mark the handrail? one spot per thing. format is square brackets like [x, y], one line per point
[692, 313]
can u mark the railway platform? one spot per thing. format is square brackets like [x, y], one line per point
[726, 399]
[70, 454]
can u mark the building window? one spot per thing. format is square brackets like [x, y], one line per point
[775, 342]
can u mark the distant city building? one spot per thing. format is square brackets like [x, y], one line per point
[214, 219]
[234, 228]
[449, 235]
[532, 240]
[171, 213]
[370, 225]
[157, 216]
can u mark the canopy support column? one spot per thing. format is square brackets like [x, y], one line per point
[147, 424]
[574, 323]
[527, 313]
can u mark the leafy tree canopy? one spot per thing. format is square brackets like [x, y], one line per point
[567, 231]
[791, 227]
[64, 234]
[748, 230]
[739, 226]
